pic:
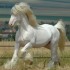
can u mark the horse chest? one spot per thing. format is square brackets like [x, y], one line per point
[23, 37]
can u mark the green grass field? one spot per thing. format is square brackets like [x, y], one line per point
[41, 59]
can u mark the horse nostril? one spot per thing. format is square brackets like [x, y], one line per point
[11, 24]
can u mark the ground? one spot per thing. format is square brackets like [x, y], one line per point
[41, 58]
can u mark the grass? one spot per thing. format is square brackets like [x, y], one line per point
[41, 58]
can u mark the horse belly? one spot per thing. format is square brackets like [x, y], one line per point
[42, 37]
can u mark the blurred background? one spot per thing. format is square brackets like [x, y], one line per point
[46, 11]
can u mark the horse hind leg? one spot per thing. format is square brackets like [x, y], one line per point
[54, 54]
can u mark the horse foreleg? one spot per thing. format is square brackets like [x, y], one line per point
[27, 56]
[14, 59]
[15, 55]
[27, 46]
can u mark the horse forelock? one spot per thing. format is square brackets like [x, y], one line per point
[23, 4]
[19, 8]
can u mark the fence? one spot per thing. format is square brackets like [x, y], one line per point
[7, 48]
[9, 45]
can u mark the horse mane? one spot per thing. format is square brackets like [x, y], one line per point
[24, 8]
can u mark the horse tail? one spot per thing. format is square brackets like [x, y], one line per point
[61, 27]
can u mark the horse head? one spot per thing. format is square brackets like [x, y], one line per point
[22, 9]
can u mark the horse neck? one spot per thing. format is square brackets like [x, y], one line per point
[24, 24]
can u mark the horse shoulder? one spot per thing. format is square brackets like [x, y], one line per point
[19, 36]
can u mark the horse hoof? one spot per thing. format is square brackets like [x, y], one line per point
[50, 65]
[57, 63]
[31, 62]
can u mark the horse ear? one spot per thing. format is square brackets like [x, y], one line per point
[31, 17]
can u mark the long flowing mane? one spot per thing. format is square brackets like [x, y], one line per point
[24, 8]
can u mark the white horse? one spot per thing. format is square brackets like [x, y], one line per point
[31, 34]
